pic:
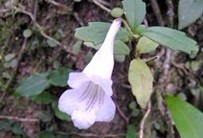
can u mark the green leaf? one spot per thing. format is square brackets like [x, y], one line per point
[44, 116]
[140, 29]
[10, 61]
[135, 11]
[132, 105]
[88, 56]
[176, 40]
[51, 43]
[33, 85]
[11, 64]
[46, 134]
[59, 114]
[43, 98]
[188, 12]
[9, 57]
[131, 132]
[16, 129]
[117, 12]
[146, 45]
[120, 48]
[119, 58]
[95, 33]
[141, 80]
[27, 33]
[59, 76]
[188, 119]
[5, 125]
[76, 47]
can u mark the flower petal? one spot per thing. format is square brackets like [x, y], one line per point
[76, 79]
[107, 111]
[90, 100]
[88, 97]
[101, 64]
[105, 84]
[69, 100]
[82, 119]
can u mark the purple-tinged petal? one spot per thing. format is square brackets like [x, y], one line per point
[82, 119]
[70, 99]
[107, 111]
[105, 84]
[76, 79]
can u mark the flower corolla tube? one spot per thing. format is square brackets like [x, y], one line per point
[90, 100]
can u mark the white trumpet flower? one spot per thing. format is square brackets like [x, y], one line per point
[89, 100]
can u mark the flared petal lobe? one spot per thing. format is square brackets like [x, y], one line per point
[87, 104]
[107, 111]
[76, 79]
[82, 119]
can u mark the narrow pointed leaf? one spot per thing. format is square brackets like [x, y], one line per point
[141, 80]
[188, 120]
[188, 12]
[173, 39]
[135, 11]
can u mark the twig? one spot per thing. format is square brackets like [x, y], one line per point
[42, 32]
[128, 28]
[84, 135]
[104, 2]
[20, 55]
[164, 77]
[101, 6]
[4, 12]
[75, 14]
[35, 9]
[166, 66]
[180, 66]
[166, 63]
[122, 114]
[19, 58]
[19, 119]
[127, 86]
[141, 131]
[56, 4]
[146, 22]
[170, 12]
[156, 9]
[163, 80]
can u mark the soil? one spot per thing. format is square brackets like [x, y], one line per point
[59, 20]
